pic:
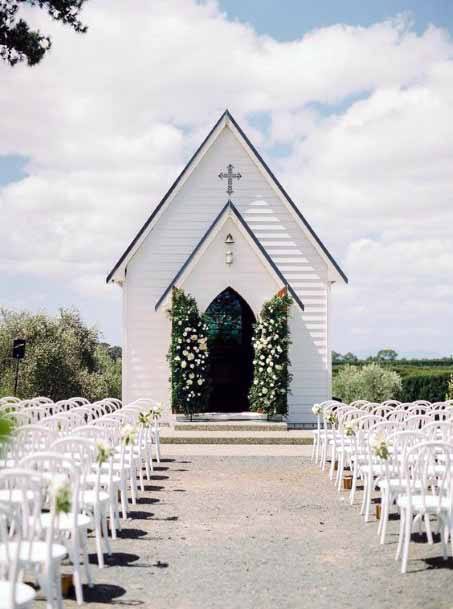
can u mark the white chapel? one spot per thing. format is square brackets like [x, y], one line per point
[227, 232]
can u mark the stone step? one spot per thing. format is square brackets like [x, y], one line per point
[231, 426]
[236, 437]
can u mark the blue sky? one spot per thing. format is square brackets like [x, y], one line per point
[291, 19]
[356, 122]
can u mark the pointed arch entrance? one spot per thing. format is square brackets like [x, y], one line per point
[230, 321]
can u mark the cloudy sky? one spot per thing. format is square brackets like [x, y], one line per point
[351, 104]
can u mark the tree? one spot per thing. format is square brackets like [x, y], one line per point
[386, 355]
[18, 42]
[350, 358]
[372, 383]
[63, 357]
[337, 358]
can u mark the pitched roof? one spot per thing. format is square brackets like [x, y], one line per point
[229, 210]
[223, 120]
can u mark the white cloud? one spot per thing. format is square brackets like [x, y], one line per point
[109, 118]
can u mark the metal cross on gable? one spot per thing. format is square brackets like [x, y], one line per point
[230, 175]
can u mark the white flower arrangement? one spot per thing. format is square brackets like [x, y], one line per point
[331, 418]
[62, 495]
[380, 447]
[128, 433]
[317, 410]
[144, 418]
[156, 410]
[349, 429]
[103, 452]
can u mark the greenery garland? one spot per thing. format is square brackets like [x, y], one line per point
[271, 341]
[188, 355]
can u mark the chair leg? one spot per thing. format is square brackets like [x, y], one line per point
[401, 534]
[98, 537]
[354, 484]
[368, 493]
[133, 481]
[58, 593]
[429, 533]
[75, 559]
[123, 497]
[105, 533]
[443, 537]
[157, 441]
[407, 540]
[140, 475]
[387, 501]
[86, 562]
[332, 462]
[365, 490]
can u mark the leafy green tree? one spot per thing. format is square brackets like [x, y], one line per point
[372, 382]
[63, 357]
[337, 358]
[387, 355]
[350, 358]
[18, 42]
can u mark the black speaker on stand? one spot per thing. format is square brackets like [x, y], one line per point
[18, 354]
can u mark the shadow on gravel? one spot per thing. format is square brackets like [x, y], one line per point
[138, 515]
[158, 477]
[130, 533]
[101, 593]
[167, 519]
[147, 500]
[153, 488]
[439, 563]
[117, 559]
[422, 538]
[160, 565]
[167, 460]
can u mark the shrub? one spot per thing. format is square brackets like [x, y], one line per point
[372, 382]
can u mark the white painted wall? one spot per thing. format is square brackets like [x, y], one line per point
[248, 274]
[170, 242]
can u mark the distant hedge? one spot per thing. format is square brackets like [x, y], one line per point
[432, 387]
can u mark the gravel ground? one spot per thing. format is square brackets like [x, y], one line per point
[220, 531]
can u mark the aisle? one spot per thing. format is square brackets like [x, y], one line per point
[258, 531]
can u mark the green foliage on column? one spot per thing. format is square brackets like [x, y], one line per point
[188, 355]
[271, 341]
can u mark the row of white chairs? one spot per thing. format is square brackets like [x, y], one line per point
[65, 468]
[404, 451]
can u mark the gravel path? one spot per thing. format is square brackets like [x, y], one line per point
[256, 531]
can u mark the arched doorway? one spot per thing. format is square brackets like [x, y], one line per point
[230, 321]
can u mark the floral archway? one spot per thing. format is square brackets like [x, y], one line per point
[189, 356]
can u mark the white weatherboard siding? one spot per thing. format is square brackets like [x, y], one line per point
[181, 224]
[248, 274]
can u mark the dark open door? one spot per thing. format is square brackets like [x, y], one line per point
[230, 321]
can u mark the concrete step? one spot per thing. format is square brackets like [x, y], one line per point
[231, 426]
[236, 437]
